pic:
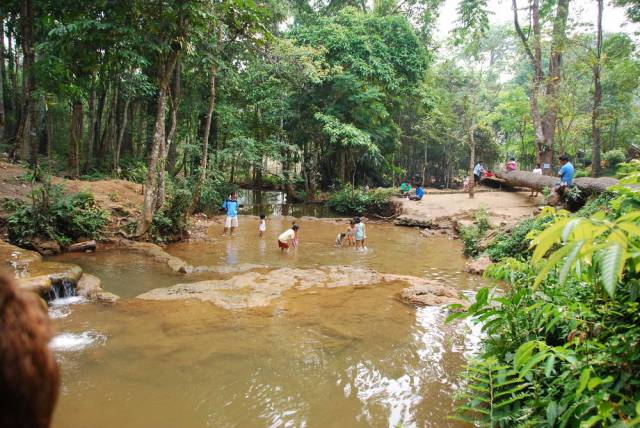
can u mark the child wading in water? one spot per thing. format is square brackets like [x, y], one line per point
[360, 233]
[262, 225]
[288, 238]
[340, 239]
[351, 233]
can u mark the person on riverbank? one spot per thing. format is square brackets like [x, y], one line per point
[351, 233]
[361, 234]
[419, 194]
[29, 374]
[538, 171]
[405, 188]
[262, 225]
[288, 239]
[566, 172]
[478, 170]
[230, 207]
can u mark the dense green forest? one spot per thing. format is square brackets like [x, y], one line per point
[307, 96]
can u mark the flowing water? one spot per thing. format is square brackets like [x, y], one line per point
[320, 357]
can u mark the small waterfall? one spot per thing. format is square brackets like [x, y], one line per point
[62, 290]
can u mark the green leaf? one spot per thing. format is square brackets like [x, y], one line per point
[612, 261]
[584, 380]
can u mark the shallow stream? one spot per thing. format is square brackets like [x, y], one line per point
[319, 357]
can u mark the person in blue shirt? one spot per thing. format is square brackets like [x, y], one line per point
[230, 206]
[419, 193]
[566, 171]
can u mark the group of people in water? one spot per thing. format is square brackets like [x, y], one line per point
[354, 236]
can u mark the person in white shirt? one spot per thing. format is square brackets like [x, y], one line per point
[288, 238]
[536, 170]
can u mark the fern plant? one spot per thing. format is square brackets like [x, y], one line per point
[491, 394]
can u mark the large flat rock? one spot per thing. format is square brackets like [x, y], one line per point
[259, 289]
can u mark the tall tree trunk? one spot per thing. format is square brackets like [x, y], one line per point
[75, 137]
[597, 98]
[123, 127]
[544, 125]
[12, 78]
[205, 140]
[552, 102]
[26, 143]
[175, 98]
[48, 123]
[89, 146]
[157, 143]
[2, 112]
[109, 126]
[472, 160]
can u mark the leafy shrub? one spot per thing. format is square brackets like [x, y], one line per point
[52, 215]
[613, 158]
[171, 220]
[473, 235]
[561, 345]
[355, 201]
[581, 173]
[135, 171]
[516, 242]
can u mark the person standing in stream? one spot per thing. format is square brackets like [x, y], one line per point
[230, 206]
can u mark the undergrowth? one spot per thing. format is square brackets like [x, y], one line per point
[53, 215]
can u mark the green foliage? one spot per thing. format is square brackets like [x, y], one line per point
[52, 215]
[473, 235]
[355, 201]
[494, 395]
[515, 243]
[135, 171]
[613, 158]
[171, 220]
[568, 324]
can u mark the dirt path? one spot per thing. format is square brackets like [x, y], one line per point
[501, 205]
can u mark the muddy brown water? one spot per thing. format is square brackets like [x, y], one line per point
[337, 357]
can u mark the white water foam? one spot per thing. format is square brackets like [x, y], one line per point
[72, 342]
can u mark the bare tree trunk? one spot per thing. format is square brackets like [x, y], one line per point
[552, 102]
[75, 137]
[26, 144]
[175, 97]
[472, 161]
[109, 127]
[2, 113]
[123, 127]
[205, 140]
[157, 151]
[597, 98]
[12, 78]
[544, 126]
[88, 152]
[48, 123]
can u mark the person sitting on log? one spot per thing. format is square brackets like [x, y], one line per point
[565, 172]
[512, 165]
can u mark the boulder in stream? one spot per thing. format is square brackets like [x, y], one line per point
[413, 221]
[478, 266]
[431, 294]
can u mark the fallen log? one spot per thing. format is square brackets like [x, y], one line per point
[81, 247]
[538, 182]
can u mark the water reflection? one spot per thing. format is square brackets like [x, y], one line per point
[272, 202]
